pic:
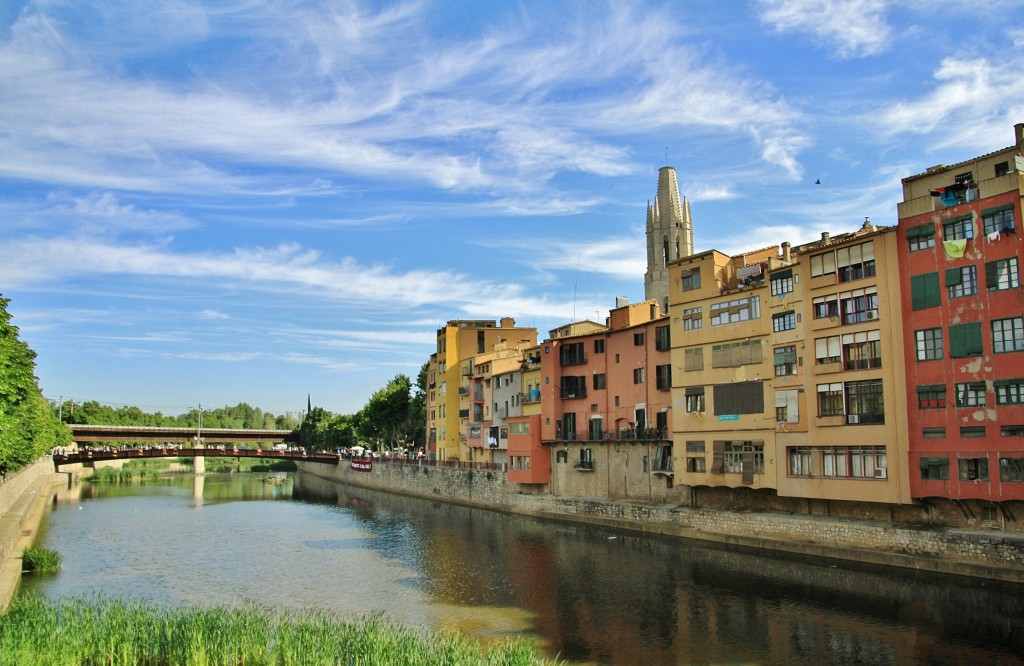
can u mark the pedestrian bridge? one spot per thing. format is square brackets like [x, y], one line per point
[88, 456]
[197, 436]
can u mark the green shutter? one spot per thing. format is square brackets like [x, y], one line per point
[930, 388]
[992, 275]
[924, 291]
[921, 231]
[965, 340]
[954, 276]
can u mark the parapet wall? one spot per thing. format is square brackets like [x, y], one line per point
[985, 554]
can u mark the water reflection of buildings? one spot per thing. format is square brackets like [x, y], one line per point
[597, 596]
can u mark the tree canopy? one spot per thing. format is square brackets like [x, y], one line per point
[28, 427]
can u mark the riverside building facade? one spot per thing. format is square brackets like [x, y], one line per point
[960, 250]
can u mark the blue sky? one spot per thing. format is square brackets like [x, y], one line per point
[244, 201]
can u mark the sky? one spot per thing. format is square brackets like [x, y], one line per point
[208, 203]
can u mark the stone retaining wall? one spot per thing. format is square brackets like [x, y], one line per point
[986, 554]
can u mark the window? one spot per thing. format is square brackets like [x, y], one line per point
[695, 463]
[787, 406]
[782, 283]
[924, 291]
[729, 312]
[864, 402]
[929, 344]
[691, 279]
[572, 354]
[830, 399]
[934, 469]
[1007, 335]
[973, 469]
[662, 341]
[586, 459]
[859, 305]
[825, 306]
[695, 399]
[921, 237]
[970, 394]
[691, 319]
[1011, 469]
[965, 339]
[663, 458]
[663, 377]
[1012, 430]
[1002, 274]
[962, 281]
[1009, 391]
[976, 432]
[1002, 169]
[997, 221]
[735, 354]
[639, 375]
[561, 456]
[827, 350]
[639, 339]
[862, 351]
[574, 387]
[599, 381]
[958, 229]
[823, 264]
[933, 433]
[739, 398]
[856, 462]
[799, 460]
[856, 262]
[785, 361]
[599, 345]
[742, 457]
[931, 396]
[784, 321]
[693, 359]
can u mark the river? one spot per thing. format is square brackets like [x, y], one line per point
[586, 595]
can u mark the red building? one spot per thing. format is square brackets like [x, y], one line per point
[960, 248]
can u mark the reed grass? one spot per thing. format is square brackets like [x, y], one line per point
[115, 632]
[113, 475]
[40, 560]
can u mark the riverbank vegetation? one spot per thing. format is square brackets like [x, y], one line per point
[41, 560]
[117, 632]
[28, 427]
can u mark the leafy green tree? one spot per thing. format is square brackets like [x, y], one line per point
[313, 433]
[385, 418]
[28, 427]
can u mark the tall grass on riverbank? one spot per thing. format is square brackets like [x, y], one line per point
[40, 560]
[117, 632]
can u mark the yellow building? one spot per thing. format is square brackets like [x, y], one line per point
[450, 369]
[791, 377]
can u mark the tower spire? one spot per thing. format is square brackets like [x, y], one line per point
[669, 235]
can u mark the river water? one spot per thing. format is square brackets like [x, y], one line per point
[586, 595]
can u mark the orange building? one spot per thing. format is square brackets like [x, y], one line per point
[606, 405]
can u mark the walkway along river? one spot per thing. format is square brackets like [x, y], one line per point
[588, 594]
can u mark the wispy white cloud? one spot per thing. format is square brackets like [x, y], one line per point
[973, 103]
[850, 28]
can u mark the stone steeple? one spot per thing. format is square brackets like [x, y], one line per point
[669, 235]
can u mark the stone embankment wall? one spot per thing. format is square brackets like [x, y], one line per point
[980, 553]
[23, 497]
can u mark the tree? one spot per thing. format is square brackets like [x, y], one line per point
[385, 418]
[28, 427]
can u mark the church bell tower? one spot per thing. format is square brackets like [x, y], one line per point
[669, 235]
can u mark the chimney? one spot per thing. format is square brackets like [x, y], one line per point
[508, 322]
[867, 225]
[786, 256]
[825, 237]
[1018, 132]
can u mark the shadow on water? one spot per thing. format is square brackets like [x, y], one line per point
[609, 597]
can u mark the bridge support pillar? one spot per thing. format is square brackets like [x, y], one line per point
[199, 465]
